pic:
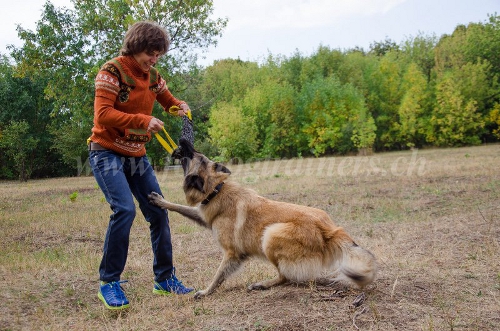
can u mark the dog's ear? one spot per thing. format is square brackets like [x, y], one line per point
[194, 181]
[221, 168]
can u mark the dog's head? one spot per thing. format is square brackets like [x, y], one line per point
[201, 174]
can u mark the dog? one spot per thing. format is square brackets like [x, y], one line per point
[301, 242]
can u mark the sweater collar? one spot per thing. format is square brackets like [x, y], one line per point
[134, 66]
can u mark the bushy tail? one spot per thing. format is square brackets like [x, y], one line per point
[357, 266]
[353, 264]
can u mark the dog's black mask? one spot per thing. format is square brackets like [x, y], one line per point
[185, 153]
[185, 149]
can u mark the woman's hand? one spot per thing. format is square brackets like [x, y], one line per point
[183, 109]
[155, 125]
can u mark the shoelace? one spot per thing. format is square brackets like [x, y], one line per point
[176, 282]
[117, 291]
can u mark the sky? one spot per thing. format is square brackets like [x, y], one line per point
[258, 28]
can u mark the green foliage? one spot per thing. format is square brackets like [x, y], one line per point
[412, 107]
[229, 79]
[331, 112]
[449, 51]
[455, 121]
[383, 97]
[363, 133]
[381, 48]
[282, 129]
[483, 43]
[22, 100]
[424, 91]
[19, 144]
[272, 105]
[232, 132]
[323, 63]
[495, 120]
[68, 47]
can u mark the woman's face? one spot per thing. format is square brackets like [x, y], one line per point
[147, 59]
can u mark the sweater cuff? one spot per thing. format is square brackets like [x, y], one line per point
[144, 121]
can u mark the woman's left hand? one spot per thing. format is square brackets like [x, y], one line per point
[184, 108]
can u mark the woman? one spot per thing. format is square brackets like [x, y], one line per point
[125, 91]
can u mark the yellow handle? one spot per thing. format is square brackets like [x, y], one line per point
[165, 145]
[174, 110]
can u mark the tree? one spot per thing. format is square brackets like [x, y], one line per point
[323, 63]
[283, 128]
[69, 46]
[495, 120]
[420, 51]
[483, 42]
[353, 69]
[272, 105]
[232, 132]
[363, 133]
[228, 80]
[412, 107]
[22, 100]
[331, 111]
[381, 48]
[383, 83]
[18, 142]
[470, 56]
[449, 51]
[455, 120]
[290, 70]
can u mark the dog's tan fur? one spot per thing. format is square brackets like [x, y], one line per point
[300, 241]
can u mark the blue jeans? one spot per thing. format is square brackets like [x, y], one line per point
[120, 179]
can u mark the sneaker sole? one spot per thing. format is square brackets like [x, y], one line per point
[99, 295]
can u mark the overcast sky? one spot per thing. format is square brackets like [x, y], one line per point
[259, 27]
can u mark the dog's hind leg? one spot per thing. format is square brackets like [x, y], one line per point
[228, 265]
[266, 284]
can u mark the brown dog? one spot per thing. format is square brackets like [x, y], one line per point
[301, 242]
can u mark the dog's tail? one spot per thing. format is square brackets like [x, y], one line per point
[355, 265]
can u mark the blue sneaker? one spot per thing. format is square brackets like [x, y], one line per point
[172, 285]
[112, 295]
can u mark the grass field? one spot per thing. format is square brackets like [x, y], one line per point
[432, 218]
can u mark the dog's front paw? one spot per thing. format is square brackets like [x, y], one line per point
[200, 294]
[155, 199]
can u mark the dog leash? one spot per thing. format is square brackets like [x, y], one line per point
[170, 146]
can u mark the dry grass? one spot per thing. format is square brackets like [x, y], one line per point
[431, 217]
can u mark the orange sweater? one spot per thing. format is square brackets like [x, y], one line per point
[124, 99]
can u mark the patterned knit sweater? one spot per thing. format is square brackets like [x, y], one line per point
[124, 99]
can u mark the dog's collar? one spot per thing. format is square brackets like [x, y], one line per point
[213, 194]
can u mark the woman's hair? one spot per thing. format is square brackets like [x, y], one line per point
[145, 36]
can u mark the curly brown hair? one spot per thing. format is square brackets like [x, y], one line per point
[145, 36]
